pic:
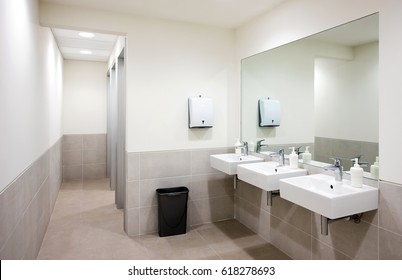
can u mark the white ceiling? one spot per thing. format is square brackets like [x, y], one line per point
[219, 13]
[222, 13]
[71, 43]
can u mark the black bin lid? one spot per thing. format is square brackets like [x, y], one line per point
[175, 190]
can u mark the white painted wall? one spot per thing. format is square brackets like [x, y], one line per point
[390, 99]
[346, 96]
[167, 62]
[84, 97]
[30, 88]
[285, 74]
[177, 61]
[296, 19]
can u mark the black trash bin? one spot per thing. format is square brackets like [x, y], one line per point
[172, 210]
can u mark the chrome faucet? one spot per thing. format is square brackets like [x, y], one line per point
[297, 150]
[259, 145]
[337, 167]
[281, 155]
[244, 148]
[356, 159]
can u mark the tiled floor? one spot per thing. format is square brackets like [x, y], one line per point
[85, 224]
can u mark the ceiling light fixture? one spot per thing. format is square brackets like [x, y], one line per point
[85, 52]
[86, 34]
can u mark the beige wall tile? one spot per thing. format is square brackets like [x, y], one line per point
[264, 229]
[358, 241]
[370, 150]
[174, 168]
[11, 209]
[321, 251]
[322, 148]
[148, 196]
[255, 218]
[291, 213]
[390, 245]
[94, 142]
[390, 211]
[14, 248]
[44, 201]
[132, 194]
[252, 194]
[222, 208]
[25, 206]
[84, 149]
[28, 181]
[211, 210]
[132, 221]
[72, 142]
[72, 172]
[73, 157]
[42, 169]
[94, 156]
[200, 160]
[371, 217]
[292, 241]
[148, 219]
[31, 224]
[247, 214]
[93, 171]
[133, 166]
[55, 172]
[345, 149]
[211, 185]
[155, 165]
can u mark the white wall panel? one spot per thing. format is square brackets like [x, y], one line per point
[30, 88]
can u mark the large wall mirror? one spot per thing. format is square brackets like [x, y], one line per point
[327, 85]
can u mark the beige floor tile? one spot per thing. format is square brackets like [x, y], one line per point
[184, 246]
[261, 251]
[85, 224]
[225, 230]
[71, 185]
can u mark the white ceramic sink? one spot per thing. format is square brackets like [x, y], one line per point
[266, 175]
[268, 153]
[321, 194]
[228, 162]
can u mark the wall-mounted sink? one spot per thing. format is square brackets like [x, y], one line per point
[267, 153]
[321, 194]
[266, 175]
[228, 162]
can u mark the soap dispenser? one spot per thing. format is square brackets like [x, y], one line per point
[356, 174]
[306, 155]
[374, 169]
[293, 158]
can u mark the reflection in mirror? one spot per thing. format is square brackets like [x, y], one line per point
[328, 88]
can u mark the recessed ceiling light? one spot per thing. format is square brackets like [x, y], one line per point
[86, 34]
[85, 52]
